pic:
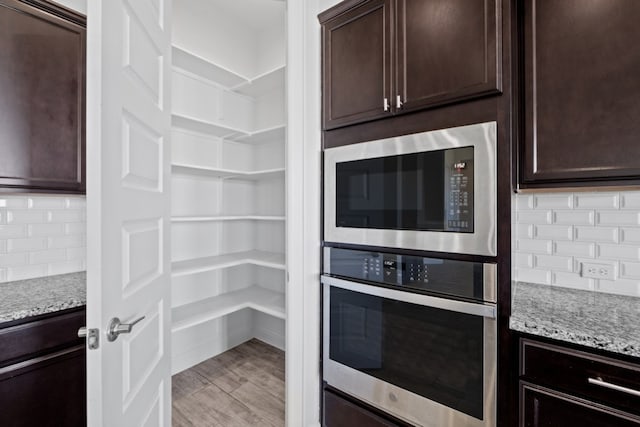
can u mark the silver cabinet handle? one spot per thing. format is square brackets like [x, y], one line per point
[386, 104]
[116, 328]
[599, 382]
[398, 102]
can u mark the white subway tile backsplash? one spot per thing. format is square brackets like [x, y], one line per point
[26, 217]
[41, 235]
[14, 202]
[67, 216]
[48, 256]
[533, 276]
[26, 272]
[523, 260]
[524, 231]
[534, 217]
[524, 202]
[630, 235]
[12, 231]
[574, 217]
[47, 203]
[597, 234]
[578, 249]
[26, 245]
[45, 230]
[77, 241]
[630, 200]
[9, 260]
[554, 232]
[534, 246]
[630, 270]
[75, 228]
[573, 280]
[66, 267]
[618, 252]
[619, 287]
[553, 201]
[597, 200]
[553, 262]
[618, 218]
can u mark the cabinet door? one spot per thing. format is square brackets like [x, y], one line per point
[42, 101]
[544, 408]
[448, 50]
[46, 391]
[357, 65]
[581, 91]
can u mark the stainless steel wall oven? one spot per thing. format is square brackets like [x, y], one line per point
[413, 336]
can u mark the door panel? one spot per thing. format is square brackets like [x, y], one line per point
[581, 91]
[128, 206]
[357, 65]
[448, 50]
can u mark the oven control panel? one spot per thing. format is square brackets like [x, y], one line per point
[410, 273]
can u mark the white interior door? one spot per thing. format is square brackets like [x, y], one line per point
[128, 210]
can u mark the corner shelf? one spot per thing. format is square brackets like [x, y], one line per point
[254, 297]
[200, 265]
[216, 218]
[226, 173]
[204, 68]
[260, 136]
[262, 84]
[207, 128]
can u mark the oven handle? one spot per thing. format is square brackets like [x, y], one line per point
[475, 309]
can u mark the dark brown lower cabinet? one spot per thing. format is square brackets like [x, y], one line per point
[564, 386]
[341, 412]
[43, 372]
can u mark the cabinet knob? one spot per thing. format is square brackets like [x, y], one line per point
[386, 104]
[398, 102]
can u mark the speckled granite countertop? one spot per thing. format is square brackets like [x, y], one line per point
[27, 298]
[593, 319]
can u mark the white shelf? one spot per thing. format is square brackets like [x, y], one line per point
[207, 128]
[199, 265]
[214, 218]
[276, 133]
[254, 297]
[204, 68]
[226, 173]
[263, 83]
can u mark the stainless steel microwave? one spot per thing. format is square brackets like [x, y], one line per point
[431, 191]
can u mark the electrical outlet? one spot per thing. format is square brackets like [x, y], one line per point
[597, 271]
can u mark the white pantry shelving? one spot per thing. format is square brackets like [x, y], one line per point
[228, 185]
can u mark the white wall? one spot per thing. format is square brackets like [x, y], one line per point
[41, 236]
[555, 232]
[77, 5]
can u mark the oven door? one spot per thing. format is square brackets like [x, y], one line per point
[431, 191]
[427, 360]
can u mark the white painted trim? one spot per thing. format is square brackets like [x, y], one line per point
[303, 215]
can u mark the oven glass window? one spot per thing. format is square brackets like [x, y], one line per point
[430, 191]
[435, 353]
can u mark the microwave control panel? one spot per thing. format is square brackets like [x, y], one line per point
[411, 273]
[459, 198]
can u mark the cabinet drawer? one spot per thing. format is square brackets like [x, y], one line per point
[339, 412]
[601, 379]
[38, 337]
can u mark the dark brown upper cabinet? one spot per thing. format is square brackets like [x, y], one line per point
[386, 57]
[42, 107]
[357, 63]
[447, 51]
[581, 83]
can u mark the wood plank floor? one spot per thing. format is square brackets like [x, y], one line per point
[240, 387]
